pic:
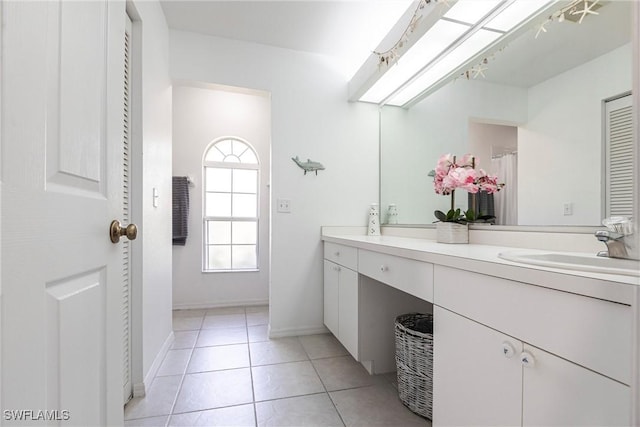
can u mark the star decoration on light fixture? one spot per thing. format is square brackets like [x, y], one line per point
[586, 10]
[479, 70]
[541, 28]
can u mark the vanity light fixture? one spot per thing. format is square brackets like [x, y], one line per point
[454, 41]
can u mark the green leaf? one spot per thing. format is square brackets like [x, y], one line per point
[470, 215]
[440, 216]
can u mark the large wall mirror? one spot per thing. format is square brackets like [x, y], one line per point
[537, 119]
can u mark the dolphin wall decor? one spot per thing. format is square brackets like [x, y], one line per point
[309, 165]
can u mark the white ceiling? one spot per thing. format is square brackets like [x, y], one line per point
[348, 30]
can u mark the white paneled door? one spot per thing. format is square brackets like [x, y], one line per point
[62, 131]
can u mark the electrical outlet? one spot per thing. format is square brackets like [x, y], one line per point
[568, 208]
[284, 205]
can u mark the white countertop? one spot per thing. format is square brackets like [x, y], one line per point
[484, 259]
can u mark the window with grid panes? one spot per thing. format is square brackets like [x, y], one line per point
[231, 201]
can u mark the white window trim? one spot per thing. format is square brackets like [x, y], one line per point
[229, 165]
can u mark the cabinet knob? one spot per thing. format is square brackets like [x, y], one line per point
[508, 350]
[527, 359]
[336, 268]
[337, 253]
[384, 268]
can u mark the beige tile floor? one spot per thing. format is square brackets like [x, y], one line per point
[223, 370]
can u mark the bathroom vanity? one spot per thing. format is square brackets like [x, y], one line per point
[514, 344]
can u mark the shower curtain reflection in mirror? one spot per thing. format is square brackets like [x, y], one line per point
[505, 166]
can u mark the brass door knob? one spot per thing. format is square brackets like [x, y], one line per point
[116, 231]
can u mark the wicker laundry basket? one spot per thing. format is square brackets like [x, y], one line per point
[414, 361]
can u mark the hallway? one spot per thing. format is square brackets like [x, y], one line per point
[222, 370]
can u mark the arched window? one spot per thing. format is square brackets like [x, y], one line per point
[231, 206]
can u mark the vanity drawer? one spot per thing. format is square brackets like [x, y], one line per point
[587, 331]
[346, 256]
[407, 275]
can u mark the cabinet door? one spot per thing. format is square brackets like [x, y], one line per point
[475, 381]
[560, 393]
[348, 311]
[331, 285]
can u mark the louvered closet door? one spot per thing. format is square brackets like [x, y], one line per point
[126, 218]
[619, 157]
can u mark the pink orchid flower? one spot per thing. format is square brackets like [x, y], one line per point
[451, 174]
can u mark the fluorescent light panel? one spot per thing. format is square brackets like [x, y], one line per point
[470, 47]
[442, 35]
[515, 14]
[437, 39]
[471, 11]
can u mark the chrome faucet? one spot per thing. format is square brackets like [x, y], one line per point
[616, 247]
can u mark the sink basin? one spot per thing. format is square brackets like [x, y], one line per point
[592, 263]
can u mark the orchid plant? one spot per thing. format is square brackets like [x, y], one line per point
[451, 174]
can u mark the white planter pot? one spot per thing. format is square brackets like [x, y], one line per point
[452, 232]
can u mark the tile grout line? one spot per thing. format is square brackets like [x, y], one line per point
[253, 390]
[323, 385]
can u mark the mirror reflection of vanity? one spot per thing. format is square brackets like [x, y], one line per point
[542, 103]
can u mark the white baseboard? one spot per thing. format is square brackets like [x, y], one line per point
[293, 332]
[217, 304]
[140, 389]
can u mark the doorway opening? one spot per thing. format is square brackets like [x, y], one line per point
[222, 145]
[496, 149]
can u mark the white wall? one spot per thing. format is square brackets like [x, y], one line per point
[152, 143]
[310, 119]
[549, 146]
[438, 125]
[202, 113]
